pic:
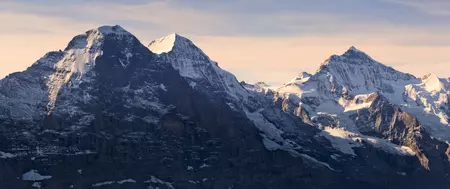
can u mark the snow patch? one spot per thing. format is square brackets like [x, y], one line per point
[163, 87]
[329, 107]
[204, 165]
[126, 181]
[193, 182]
[432, 83]
[5, 155]
[345, 141]
[271, 135]
[163, 45]
[192, 84]
[155, 180]
[33, 175]
[317, 161]
[36, 185]
[340, 139]
[114, 182]
[271, 132]
[103, 183]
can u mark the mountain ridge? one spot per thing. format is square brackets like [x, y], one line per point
[112, 110]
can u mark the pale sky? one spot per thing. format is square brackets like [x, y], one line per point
[257, 40]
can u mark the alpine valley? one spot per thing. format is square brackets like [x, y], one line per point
[110, 112]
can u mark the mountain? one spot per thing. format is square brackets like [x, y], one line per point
[200, 71]
[106, 111]
[110, 112]
[356, 100]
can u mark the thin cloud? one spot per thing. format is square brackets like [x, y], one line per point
[432, 7]
[273, 45]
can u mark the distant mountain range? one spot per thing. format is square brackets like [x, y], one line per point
[111, 112]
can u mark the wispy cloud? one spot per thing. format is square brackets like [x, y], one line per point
[432, 7]
[262, 18]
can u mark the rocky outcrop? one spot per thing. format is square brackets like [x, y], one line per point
[389, 121]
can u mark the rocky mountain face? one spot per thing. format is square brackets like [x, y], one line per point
[109, 112]
[200, 71]
[357, 101]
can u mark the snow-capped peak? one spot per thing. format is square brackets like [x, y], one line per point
[432, 83]
[353, 48]
[350, 74]
[94, 37]
[355, 53]
[194, 65]
[81, 54]
[164, 44]
[175, 48]
[179, 45]
[172, 42]
[351, 56]
[105, 30]
[357, 68]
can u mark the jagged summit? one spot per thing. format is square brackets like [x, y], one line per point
[94, 37]
[164, 44]
[174, 46]
[175, 43]
[351, 56]
[116, 29]
[428, 76]
[202, 72]
[302, 77]
[355, 53]
[354, 49]
[351, 73]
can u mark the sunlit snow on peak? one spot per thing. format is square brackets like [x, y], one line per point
[432, 83]
[164, 44]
